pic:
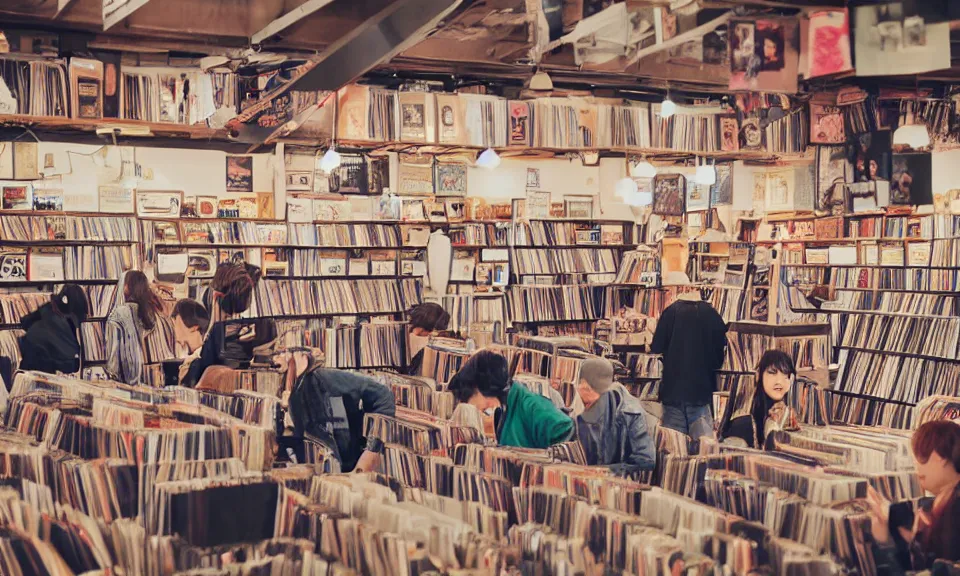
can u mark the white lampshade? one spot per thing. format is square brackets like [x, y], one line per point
[488, 159]
[330, 160]
[627, 189]
[913, 135]
[643, 169]
[706, 175]
[644, 198]
[667, 108]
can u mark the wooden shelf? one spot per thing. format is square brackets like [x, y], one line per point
[868, 397]
[897, 353]
[438, 148]
[162, 129]
[68, 242]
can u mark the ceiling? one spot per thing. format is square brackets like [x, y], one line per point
[482, 39]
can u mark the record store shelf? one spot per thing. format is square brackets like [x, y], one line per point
[139, 128]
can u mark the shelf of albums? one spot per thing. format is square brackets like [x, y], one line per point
[149, 101]
[352, 313]
[105, 465]
[887, 283]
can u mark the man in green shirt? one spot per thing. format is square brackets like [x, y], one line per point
[523, 419]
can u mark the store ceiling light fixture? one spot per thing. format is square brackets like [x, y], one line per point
[706, 175]
[488, 159]
[643, 169]
[330, 161]
[667, 108]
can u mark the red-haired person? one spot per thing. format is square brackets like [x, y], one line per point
[933, 533]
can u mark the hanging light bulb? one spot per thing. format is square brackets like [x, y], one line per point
[330, 160]
[667, 107]
[643, 169]
[706, 175]
[488, 159]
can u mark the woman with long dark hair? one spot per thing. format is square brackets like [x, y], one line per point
[769, 410]
[51, 343]
[133, 325]
[912, 540]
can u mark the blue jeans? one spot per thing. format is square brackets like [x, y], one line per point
[694, 420]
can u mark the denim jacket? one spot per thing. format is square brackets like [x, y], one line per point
[614, 433]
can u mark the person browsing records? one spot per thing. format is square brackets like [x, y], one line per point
[911, 540]
[330, 406]
[50, 343]
[426, 319]
[231, 341]
[190, 324]
[775, 376]
[522, 418]
[613, 427]
[130, 324]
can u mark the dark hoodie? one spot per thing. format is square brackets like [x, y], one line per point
[50, 343]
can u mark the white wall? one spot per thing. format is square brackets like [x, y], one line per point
[558, 176]
[83, 167]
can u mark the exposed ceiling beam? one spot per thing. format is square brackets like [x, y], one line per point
[378, 39]
[61, 6]
[121, 13]
[288, 19]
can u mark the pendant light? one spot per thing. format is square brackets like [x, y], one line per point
[488, 159]
[331, 160]
[706, 175]
[643, 169]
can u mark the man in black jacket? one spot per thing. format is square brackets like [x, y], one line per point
[330, 404]
[691, 336]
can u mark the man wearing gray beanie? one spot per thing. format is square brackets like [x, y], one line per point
[613, 428]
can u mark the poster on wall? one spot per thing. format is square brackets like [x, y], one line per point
[826, 124]
[48, 200]
[833, 169]
[698, 197]
[912, 181]
[780, 190]
[16, 196]
[870, 154]
[721, 193]
[894, 38]
[668, 194]
[13, 265]
[239, 173]
[116, 199]
[764, 55]
[828, 44]
[159, 204]
[451, 179]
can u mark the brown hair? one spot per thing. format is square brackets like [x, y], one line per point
[192, 314]
[940, 436]
[235, 282]
[136, 288]
[429, 316]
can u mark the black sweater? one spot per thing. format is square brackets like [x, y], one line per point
[692, 337]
